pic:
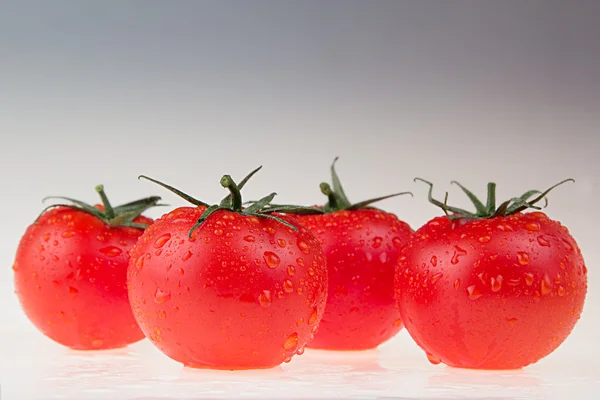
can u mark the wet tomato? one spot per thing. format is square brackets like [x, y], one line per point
[362, 245]
[228, 287]
[499, 289]
[70, 273]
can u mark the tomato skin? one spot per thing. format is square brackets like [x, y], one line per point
[498, 293]
[234, 296]
[70, 275]
[361, 247]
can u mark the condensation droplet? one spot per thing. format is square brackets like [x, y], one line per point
[456, 284]
[271, 259]
[313, 317]
[542, 241]
[484, 239]
[528, 278]
[497, 283]
[523, 258]
[111, 251]
[546, 285]
[160, 242]
[264, 298]
[305, 248]
[473, 292]
[161, 296]
[187, 256]
[291, 342]
[68, 234]
[433, 359]
[532, 226]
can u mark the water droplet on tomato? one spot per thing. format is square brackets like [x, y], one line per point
[305, 248]
[68, 234]
[97, 342]
[532, 226]
[377, 241]
[542, 241]
[383, 257]
[497, 283]
[162, 314]
[433, 359]
[287, 359]
[568, 246]
[72, 290]
[523, 258]
[458, 252]
[528, 278]
[291, 342]
[180, 271]
[160, 242]
[546, 285]
[511, 320]
[111, 251]
[264, 298]
[456, 284]
[397, 323]
[300, 351]
[249, 238]
[160, 296]
[46, 237]
[436, 277]
[433, 260]
[291, 270]
[281, 242]
[473, 292]
[288, 286]
[397, 242]
[313, 317]
[271, 259]
[311, 271]
[484, 239]
[561, 291]
[187, 256]
[140, 262]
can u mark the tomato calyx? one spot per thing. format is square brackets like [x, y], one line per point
[489, 210]
[114, 217]
[233, 202]
[337, 199]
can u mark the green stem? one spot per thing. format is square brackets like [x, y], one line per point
[108, 210]
[332, 203]
[236, 197]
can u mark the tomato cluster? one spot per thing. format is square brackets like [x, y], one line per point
[239, 285]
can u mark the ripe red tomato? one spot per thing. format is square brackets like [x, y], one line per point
[498, 289]
[70, 273]
[228, 287]
[362, 245]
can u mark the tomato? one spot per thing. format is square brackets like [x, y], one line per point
[70, 272]
[226, 287]
[362, 245]
[496, 289]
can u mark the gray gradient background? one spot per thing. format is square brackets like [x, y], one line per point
[184, 91]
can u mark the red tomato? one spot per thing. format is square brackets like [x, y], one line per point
[227, 288]
[491, 290]
[70, 274]
[362, 245]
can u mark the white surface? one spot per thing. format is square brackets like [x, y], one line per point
[41, 370]
[100, 92]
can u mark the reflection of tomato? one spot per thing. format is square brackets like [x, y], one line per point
[70, 274]
[362, 245]
[491, 290]
[230, 288]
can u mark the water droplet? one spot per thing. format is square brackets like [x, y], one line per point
[160, 296]
[300, 321]
[291, 343]
[249, 238]
[264, 298]
[187, 256]
[313, 317]
[458, 252]
[291, 270]
[68, 234]
[433, 359]
[287, 359]
[456, 284]
[311, 271]
[218, 232]
[97, 342]
[511, 320]
[505, 228]
[383, 257]
[160, 242]
[473, 292]
[543, 241]
[299, 290]
[546, 285]
[46, 237]
[484, 239]
[433, 260]
[532, 226]
[162, 314]
[397, 242]
[305, 248]
[569, 246]
[140, 262]
[528, 278]
[111, 251]
[271, 259]
[288, 286]
[436, 277]
[397, 323]
[497, 283]
[377, 241]
[180, 271]
[281, 242]
[300, 351]
[523, 258]
[72, 290]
